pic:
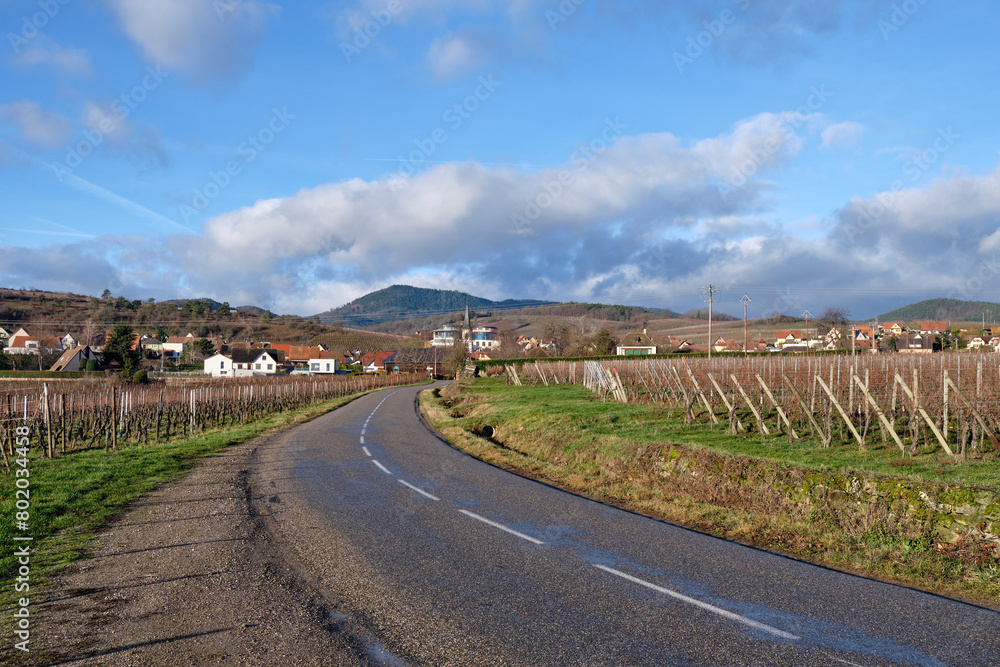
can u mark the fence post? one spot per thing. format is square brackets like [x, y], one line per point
[114, 418]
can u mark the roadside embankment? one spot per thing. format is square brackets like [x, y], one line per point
[937, 535]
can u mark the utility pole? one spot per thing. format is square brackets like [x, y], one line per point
[806, 314]
[711, 291]
[746, 299]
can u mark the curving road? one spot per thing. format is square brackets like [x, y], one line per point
[427, 556]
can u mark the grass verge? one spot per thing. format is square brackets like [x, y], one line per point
[560, 435]
[75, 495]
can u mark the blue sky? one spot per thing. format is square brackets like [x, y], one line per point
[298, 155]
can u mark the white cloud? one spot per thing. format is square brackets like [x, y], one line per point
[34, 124]
[641, 222]
[453, 54]
[43, 51]
[210, 40]
[846, 134]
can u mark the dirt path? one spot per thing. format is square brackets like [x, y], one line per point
[187, 576]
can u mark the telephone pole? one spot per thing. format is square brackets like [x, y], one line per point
[746, 299]
[711, 290]
[806, 314]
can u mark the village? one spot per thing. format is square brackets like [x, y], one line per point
[434, 352]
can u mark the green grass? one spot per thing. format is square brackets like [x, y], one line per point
[564, 435]
[573, 412]
[74, 495]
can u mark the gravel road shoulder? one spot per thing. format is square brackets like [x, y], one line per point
[187, 576]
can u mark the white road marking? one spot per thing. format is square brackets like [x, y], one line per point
[501, 527]
[381, 467]
[363, 430]
[367, 453]
[362, 440]
[703, 605]
[418, 490]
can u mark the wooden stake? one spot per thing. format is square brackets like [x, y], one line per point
[760, 420]
[975, 413]
[781, 413]
[725, 402]
[878, 412]
[812, 420]
[836, 404]
[927, 419]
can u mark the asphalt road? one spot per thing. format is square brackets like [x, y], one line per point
[427, 556]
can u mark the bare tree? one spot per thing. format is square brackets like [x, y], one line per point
[90, 333]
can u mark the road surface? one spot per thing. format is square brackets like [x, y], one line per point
[432, 557]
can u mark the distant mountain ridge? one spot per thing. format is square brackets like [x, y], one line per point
[950, 310]
[400, 302]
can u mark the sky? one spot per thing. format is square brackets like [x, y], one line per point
[297, 155]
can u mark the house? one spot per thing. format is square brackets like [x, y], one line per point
[863, 332]
[22, 343]
[67, 342]
[374, 362]
[74, 359]
[4, 335]
[446, 336]
[151, 345]
[299, 354]
[416, 360]
[322, 366]
[219, 365]
[265, 364]
[933, 328]
[893, 328]
[914, 344]
[723, 345]
[250, 360]
[635, 344]
[485, 338]
[976, 342]
[783, 338]
[482, 355]
[174, 346]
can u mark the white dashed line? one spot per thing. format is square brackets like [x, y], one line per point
[703, 605]
[418, 490]
[362, 440]
[367, 453]
[363, 430]
[381, 467]
[501, 527]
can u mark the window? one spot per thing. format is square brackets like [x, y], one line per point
[315, 367]
[222, 364]
[270, 367]
[328, 368]
[257, 366]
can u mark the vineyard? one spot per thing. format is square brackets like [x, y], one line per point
[915, 404]
[71, 415]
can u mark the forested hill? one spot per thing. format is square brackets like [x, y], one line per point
[951, 310]
[405, 302]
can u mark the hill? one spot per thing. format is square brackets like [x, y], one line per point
[403, 302]
[950, 310]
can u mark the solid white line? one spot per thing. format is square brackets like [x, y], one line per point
[501, 527]
[367, 453]
[843, 662]
[703, 605]
[381, 467]
[420, 491]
